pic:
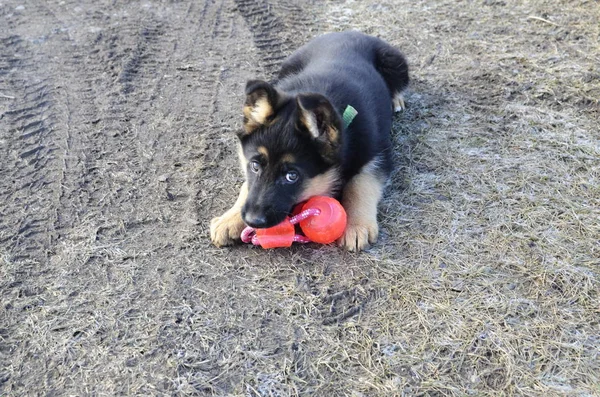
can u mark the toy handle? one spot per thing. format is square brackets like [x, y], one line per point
[281, 235]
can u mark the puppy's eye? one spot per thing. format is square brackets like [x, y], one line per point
[255, 166]
[291, 176]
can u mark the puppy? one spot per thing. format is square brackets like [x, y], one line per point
[295, 144]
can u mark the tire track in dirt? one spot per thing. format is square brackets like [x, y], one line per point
[277, 28]
[61, 170]
[220, 27]
[117, 70]
[267, 32]
[110, 115]
[30, 157]
[141, 56]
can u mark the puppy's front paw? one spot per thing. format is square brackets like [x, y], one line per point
[225, 229]
[358, 236]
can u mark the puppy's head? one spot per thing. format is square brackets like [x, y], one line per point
[290, 149]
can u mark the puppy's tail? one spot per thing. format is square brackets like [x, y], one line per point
[392, 66]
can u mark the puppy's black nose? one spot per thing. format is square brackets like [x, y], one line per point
[255, 220]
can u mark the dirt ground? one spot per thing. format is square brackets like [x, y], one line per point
[117, 125]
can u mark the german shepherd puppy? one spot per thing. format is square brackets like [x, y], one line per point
[294, 144]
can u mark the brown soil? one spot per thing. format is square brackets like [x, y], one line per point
[117, 125]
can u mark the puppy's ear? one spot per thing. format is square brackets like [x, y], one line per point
[318, 118]
[262, 101]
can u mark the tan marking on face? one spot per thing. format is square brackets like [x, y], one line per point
[263, 150]
[325, 184]
[288, 158]
[225, 229]
[360, 198]
[257, 114]
[242, 159]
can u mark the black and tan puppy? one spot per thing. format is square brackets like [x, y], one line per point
[295, 145]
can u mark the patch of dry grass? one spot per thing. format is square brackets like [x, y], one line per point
[484, 282]
[488, 266]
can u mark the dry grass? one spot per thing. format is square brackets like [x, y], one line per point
[484, 282]
[488, 270]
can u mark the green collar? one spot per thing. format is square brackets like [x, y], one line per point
[349, 115]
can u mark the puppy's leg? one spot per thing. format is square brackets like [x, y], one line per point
[360, 198]
[398, 102]
[225, 229]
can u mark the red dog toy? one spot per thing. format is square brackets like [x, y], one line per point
[322, 220]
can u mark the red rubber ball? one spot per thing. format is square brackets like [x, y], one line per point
[329, 225]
